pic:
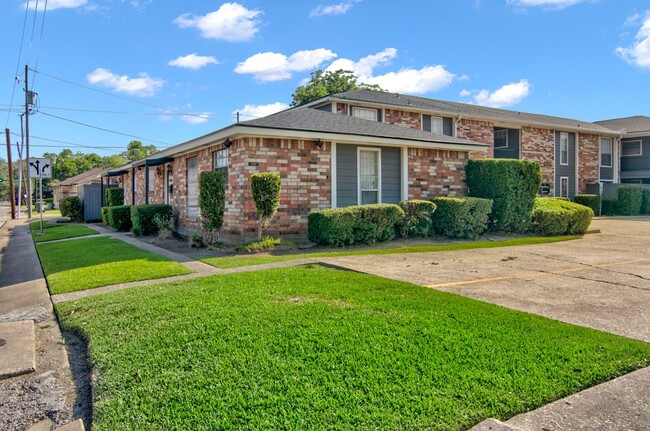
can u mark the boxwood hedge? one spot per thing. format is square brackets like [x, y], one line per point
[461, 217]
[552, 216]
[119, 217]
[142, 217]
[591, 201]
[417, 218]
[629, 201]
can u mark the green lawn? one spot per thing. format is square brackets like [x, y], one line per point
[225, 262]
[315, 348]
[93, 262]
[52, 232]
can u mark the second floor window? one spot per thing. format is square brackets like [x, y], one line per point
[366, 114]
[564, 148]
[606, 147]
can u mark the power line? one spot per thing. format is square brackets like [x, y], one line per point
[103, 129]
[20, 53]
[73, 144]
[40, 40]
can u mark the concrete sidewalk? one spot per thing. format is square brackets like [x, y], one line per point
[46, 397]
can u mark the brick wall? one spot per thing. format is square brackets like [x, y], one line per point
[398, 117]
[538, 145]
[341, 108]
[436, 173]
[477, 131]
[588, 161]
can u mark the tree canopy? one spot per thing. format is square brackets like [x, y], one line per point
[323, 84]
[136, 151]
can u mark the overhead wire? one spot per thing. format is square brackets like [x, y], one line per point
[40, 41]
[20, 53]
[72, 144]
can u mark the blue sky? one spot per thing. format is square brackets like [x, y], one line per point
[168, 71]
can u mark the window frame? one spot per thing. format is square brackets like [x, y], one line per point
[360, 190]
[495, 139]
[564, 139]
[639, 141]
[194, 215]
[361, 109]
[562, 180]
[609, 142]
[151, 184]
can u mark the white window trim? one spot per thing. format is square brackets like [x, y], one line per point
[562, 135]
[379, 181]
[640, 142]
[151, 185]
[214, 158]
[442, 124]
[611, 152]
[567, 187]
[358, 108]
[495, 140]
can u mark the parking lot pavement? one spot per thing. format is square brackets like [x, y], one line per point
[601, 281]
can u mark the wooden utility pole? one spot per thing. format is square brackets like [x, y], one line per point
[29, 181]
[12, 192]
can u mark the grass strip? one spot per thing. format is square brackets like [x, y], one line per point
[83, 264]
[317, 348]
[226, 262]
[56, 231]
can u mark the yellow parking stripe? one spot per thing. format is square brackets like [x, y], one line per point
[537, 274]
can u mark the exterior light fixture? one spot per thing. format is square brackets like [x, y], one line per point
[319, 143]
[227, 143]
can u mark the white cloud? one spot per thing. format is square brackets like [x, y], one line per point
[334, 9]
[508, 95]
[548, 4]
[273, 66]
[639, 52]
[232, 22]
[196, 118]
[407, 80]
[143, 86]
[193, 61]
[257, 111]
[55, 4]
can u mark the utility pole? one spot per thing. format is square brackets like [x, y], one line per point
[29, 181]
[12, 191]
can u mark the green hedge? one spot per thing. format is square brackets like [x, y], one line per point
[461, 217]
[558, 217]
[104, 211]
[512, 185]
[645, 202]
[71, 207]
[48, 200]
[609, 207]
[142, 218]
[114, 197]
[266, 194]
[417, 218]
[355, 224]
[119, 217]
[212, 199]
[591, 201]
[629, 201]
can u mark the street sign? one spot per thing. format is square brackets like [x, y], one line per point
[39, 168]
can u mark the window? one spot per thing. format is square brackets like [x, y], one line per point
[606, 147]
[564, 148]
[501, 138]
[436, 125]
[151, 185]
[364, 113]
[193, 188]
[631, 148]
[369, 176]
[220, 162]
[564, 187]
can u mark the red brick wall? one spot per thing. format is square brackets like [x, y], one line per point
[436, 173]
[341, 108]
[588, 160]
[477, 131]
[403, 118]
[538, 145]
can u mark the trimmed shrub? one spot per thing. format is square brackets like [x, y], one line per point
[417, 218]
[212, 202]
[559, 217]
[629, 201]
[609, 208]
[104, 211]
[71, 207]
[461, 217]
[645, 202]
[591, 201]
[119, 217]
[142, 218]
[114, 197]
[512, 185]
[266, 193]
[355, 224]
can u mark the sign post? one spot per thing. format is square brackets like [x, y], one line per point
[39, 168]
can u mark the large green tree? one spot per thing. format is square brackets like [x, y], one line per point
[323, 84]
[136, 151]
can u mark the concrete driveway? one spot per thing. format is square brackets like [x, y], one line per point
[601, 281]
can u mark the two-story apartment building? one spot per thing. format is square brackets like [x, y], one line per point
[634, 147]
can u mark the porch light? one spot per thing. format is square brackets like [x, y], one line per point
[319, 143]
[227, 143]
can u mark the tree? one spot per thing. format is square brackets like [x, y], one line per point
[136, 151]
[266, 194]
[7, 180]
[112, 161]
[323, 84]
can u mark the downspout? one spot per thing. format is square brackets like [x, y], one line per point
[456, 121]
[146, 183]
[619, 149]
[133, 185]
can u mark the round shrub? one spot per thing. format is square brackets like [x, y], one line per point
[71, 207]
[629, 201]
[461, 217]
[417, 218]
[558, 217]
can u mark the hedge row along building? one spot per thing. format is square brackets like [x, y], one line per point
[364, 147]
